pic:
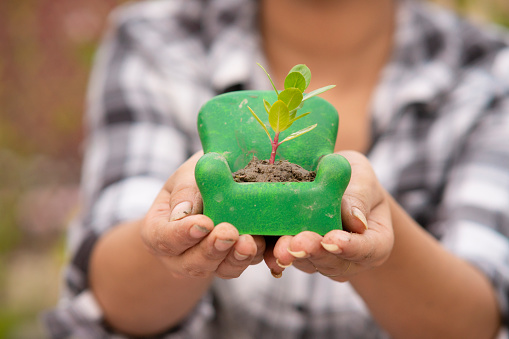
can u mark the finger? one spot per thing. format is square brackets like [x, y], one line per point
[368, 249]
[352, 216]
[305, 265]
[185, 200]
[342, 270]
[269, 258]
[178, 199]
[238, 259]
[305, 244]
[306, 251]
[300, 250]
[260, 246]
[172, 238]
[245, 248]
[204, 258]
[283, 257]
[185, 171]
[306, 248]
[362, 195]
[184, 196]
[272, 255]
[312, 256]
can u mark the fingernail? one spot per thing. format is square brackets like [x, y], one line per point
[198, 231]
[298, 254]
[281, 265]
[223, 244]
[275, 274]
[181, 210]
[239, 256]
[333, 248]
[359, 215]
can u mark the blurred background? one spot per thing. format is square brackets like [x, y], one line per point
[46, 51]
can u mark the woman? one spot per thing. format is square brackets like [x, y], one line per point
[424, 112]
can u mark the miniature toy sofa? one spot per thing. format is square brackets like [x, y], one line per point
[231, 136]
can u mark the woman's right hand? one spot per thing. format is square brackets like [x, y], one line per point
[186, 241]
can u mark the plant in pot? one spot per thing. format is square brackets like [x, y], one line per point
[231, 136]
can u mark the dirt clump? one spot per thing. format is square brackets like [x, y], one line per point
[282, 171]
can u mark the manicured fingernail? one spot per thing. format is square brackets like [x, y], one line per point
[181, 210]
[276, 275]
[223, 244]
[333, 248]
[239, 256]
[198, 231]
[298, 254]
[281, 265]
[359, 215]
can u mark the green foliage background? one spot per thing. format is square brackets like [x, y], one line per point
[46, 49]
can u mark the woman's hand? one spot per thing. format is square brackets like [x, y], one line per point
[186, 241]
[366, 241]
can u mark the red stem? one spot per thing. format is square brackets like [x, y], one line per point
[275, 144]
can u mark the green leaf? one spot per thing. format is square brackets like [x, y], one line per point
[279, 115]
[296, 80]
[317, 91]
[273, 86]
[267, 105]
[292, 120]
[305, 71]
[298, 133]
[294, 111]
[292, 97]
[260, 122]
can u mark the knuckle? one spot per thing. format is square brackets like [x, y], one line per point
[182, 191]
[197, 274]
[163, 247]
[231, 268]
[211, 255]
[193, 271]
[357, 198]
[157, 243]
[370, 251]
[231, 261]
[369, 255]
[181, 235]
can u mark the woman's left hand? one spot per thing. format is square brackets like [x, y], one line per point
[366, 241]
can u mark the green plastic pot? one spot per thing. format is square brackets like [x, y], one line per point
[230, 137]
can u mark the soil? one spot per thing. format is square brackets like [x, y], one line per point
[282, 171]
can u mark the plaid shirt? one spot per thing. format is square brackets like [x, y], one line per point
[440, 124]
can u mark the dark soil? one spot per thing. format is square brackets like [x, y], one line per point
[281, 171]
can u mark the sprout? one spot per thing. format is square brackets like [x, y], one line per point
[283, 112]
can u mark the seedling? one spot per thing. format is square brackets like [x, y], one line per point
[283, 112]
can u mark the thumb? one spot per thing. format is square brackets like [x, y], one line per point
[362, 194]
[184, 195]
[353, 215]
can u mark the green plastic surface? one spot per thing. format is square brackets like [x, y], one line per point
[230, 137]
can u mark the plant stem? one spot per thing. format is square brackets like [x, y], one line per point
[275, 144]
